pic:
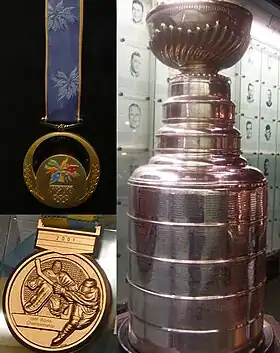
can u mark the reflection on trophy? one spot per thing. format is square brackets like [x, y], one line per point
[197, 281]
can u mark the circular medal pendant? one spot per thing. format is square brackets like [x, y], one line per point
[54, 303]
[61, 180]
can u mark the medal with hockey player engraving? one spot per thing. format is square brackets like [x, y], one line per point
[57, 298]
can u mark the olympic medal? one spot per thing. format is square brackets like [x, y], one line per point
[61, 180]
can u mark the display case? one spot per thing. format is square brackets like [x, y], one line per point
[18, 235]
[255, 86]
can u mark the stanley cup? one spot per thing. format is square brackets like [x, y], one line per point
[197, 211]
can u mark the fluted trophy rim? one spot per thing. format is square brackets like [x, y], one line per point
[195, 33]
[174, 4]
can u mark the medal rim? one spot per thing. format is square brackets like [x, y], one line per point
[92, 336]
[92, 178]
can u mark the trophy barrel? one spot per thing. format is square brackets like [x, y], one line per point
[197, 211]
[268, 346]
[197, 230]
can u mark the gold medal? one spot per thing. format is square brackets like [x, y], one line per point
[61, 180]
[61, 169]
[57, 298]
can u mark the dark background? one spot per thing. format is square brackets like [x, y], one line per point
[274, 2]
[22, 63]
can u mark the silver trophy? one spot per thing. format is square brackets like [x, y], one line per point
[197, 211]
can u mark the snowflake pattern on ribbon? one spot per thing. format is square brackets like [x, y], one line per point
[67, 85]
[60, 16]
[63, 76]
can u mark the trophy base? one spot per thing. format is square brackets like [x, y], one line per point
[124, 346]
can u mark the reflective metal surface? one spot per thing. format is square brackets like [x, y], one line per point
[106, 342]
[205, 35]
[197, 211]
[266, 346]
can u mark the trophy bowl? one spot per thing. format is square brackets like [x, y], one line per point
[199, 36]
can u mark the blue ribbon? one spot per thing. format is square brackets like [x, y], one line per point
[64, 20]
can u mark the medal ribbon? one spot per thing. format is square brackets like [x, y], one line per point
[75, 222]
[64, 34]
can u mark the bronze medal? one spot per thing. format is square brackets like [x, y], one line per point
[57, 298]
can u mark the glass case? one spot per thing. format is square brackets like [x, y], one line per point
[142, 90]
